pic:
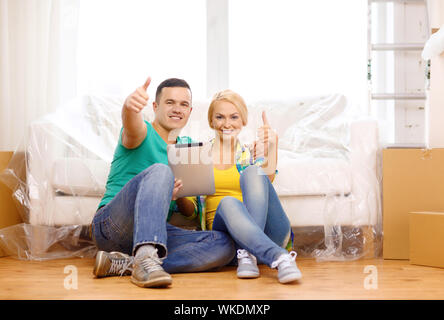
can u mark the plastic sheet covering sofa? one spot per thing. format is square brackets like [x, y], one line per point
[328, 175]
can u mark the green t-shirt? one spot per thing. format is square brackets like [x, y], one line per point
[127, 163]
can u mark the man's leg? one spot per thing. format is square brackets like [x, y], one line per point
[151, 209]
[137, 214]
[135, 220]
[196, 251]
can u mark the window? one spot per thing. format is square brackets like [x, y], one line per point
[276, 49]
[285, 48]
[121, 43]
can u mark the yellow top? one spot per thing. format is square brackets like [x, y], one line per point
[227, 184]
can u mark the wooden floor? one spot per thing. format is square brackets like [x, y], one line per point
[386, 280]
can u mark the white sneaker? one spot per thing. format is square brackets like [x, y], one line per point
[287, 268]
[112, 264]
[147, 272]
[246, 265]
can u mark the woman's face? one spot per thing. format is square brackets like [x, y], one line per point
[226, 120]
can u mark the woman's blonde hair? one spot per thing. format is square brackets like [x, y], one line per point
[232, 97]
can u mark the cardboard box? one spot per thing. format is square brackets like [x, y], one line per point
[413, 181]
[427, 238]
[9, 215]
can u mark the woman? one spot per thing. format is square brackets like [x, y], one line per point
[245, 203]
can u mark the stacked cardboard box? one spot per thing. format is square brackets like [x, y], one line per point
[413, 181]
[9, 214]
[426, 229]
[427, 238]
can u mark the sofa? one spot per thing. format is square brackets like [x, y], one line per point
[327, 177]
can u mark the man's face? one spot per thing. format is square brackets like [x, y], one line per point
[173, 108]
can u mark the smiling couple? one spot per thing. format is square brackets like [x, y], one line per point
[242, 224]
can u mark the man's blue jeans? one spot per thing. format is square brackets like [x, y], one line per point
[259, 223]
[137, 215]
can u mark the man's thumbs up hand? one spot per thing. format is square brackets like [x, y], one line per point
[147, 83]
[139, 98]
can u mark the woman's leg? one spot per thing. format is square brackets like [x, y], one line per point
[255, 194]
[233, 217]
[264, 205]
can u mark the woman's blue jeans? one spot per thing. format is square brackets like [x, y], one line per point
[137, 215]
[259, 223]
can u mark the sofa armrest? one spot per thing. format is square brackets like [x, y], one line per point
[41, 151]
[364, 143]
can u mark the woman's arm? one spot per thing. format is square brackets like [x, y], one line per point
[186, 206]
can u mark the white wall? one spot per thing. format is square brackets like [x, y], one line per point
[436, 13]
[410, 26]
[435, 106]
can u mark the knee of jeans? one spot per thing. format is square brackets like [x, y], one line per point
[162, 170]
[161, 167]
[252, 172]
[229, 202]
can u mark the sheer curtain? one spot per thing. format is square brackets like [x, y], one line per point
[37, 62]
[54, 50]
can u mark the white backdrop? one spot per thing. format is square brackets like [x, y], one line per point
[52, 51]
[37, 62]
[290, 48]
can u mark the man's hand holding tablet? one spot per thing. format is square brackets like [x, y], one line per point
[192, 166]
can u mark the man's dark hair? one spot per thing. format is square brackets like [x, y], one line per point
[170, 83]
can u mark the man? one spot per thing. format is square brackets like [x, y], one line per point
[132, 216]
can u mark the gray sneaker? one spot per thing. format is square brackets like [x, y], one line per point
[246, 265]
[287, 268]
[148, 272]
[112, 264]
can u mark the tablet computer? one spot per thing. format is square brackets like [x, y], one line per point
[193, 164]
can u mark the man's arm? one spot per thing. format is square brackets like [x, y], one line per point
[134, 128]
[185, 206]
